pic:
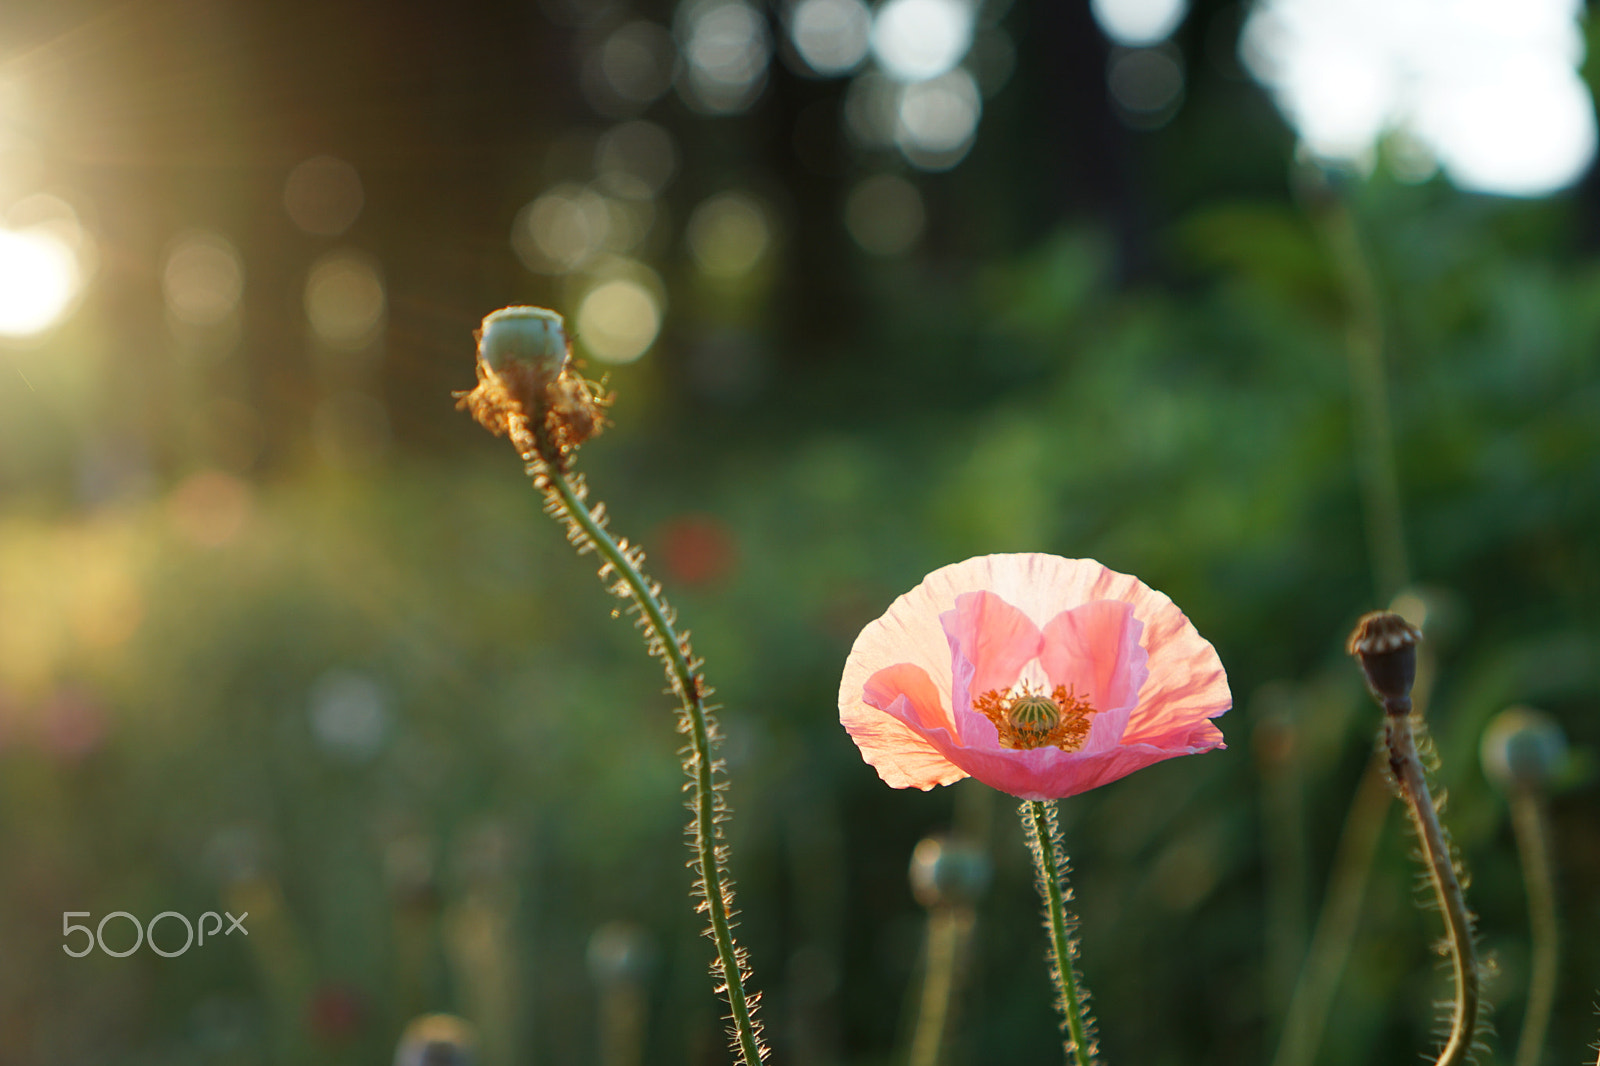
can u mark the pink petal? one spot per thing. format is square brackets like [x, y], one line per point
[990, 642]
[1050, 773]
[922, 708]
[1095, 650]
[902, 758]
[902, 704]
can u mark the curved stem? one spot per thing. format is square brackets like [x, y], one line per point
[1436, 856]
[1050, 861]
[1527, 818]
[586, 529]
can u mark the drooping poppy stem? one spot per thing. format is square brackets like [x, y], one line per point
[567, 496]
[1385, 645]
[1043, 833]
[1408, 773]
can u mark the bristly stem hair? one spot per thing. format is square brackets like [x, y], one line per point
[529, 391]
[566, 498]
[1043, 833]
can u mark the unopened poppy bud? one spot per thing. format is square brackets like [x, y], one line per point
[529, 339]
[946, 872]
[1386, 645]
[1523, 748]
[437, 1040]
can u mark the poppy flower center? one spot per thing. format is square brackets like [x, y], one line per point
[1027, 718]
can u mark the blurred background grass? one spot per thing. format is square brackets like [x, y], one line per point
[281, 631]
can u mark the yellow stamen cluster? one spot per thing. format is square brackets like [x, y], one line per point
[1030, 719]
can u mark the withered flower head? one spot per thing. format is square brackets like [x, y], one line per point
[1386, 646]
[528, 388]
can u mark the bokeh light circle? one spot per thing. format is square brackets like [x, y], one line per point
[1138, 23]
[938, 119]
[832, 36]
[323, 195]
[562, 229]
[203, 279]
[1490, 90]
[344, 299]
[636, 158]
[728, 234]
[1146, 84]
[884, 214]
[1529, 131]
[618, 320]
[638, 60]
[915, 40]
[727, 48]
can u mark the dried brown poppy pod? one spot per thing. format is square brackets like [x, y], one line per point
[1386, 645]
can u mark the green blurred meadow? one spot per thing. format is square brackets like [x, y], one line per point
[283, 632]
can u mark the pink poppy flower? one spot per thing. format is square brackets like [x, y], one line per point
[1040, 676]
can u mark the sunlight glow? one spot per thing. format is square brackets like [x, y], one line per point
[38, 281]
[1488, 89]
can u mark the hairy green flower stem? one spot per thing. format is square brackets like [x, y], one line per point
[529, 390]
[1043, 833]
[586, 529]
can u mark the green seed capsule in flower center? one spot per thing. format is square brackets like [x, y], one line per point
[1034, 714]
[1030, 718]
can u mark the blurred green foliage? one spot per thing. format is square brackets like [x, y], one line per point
[371, 698]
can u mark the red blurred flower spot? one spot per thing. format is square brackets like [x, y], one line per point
[336, 1013]
[697, 549]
